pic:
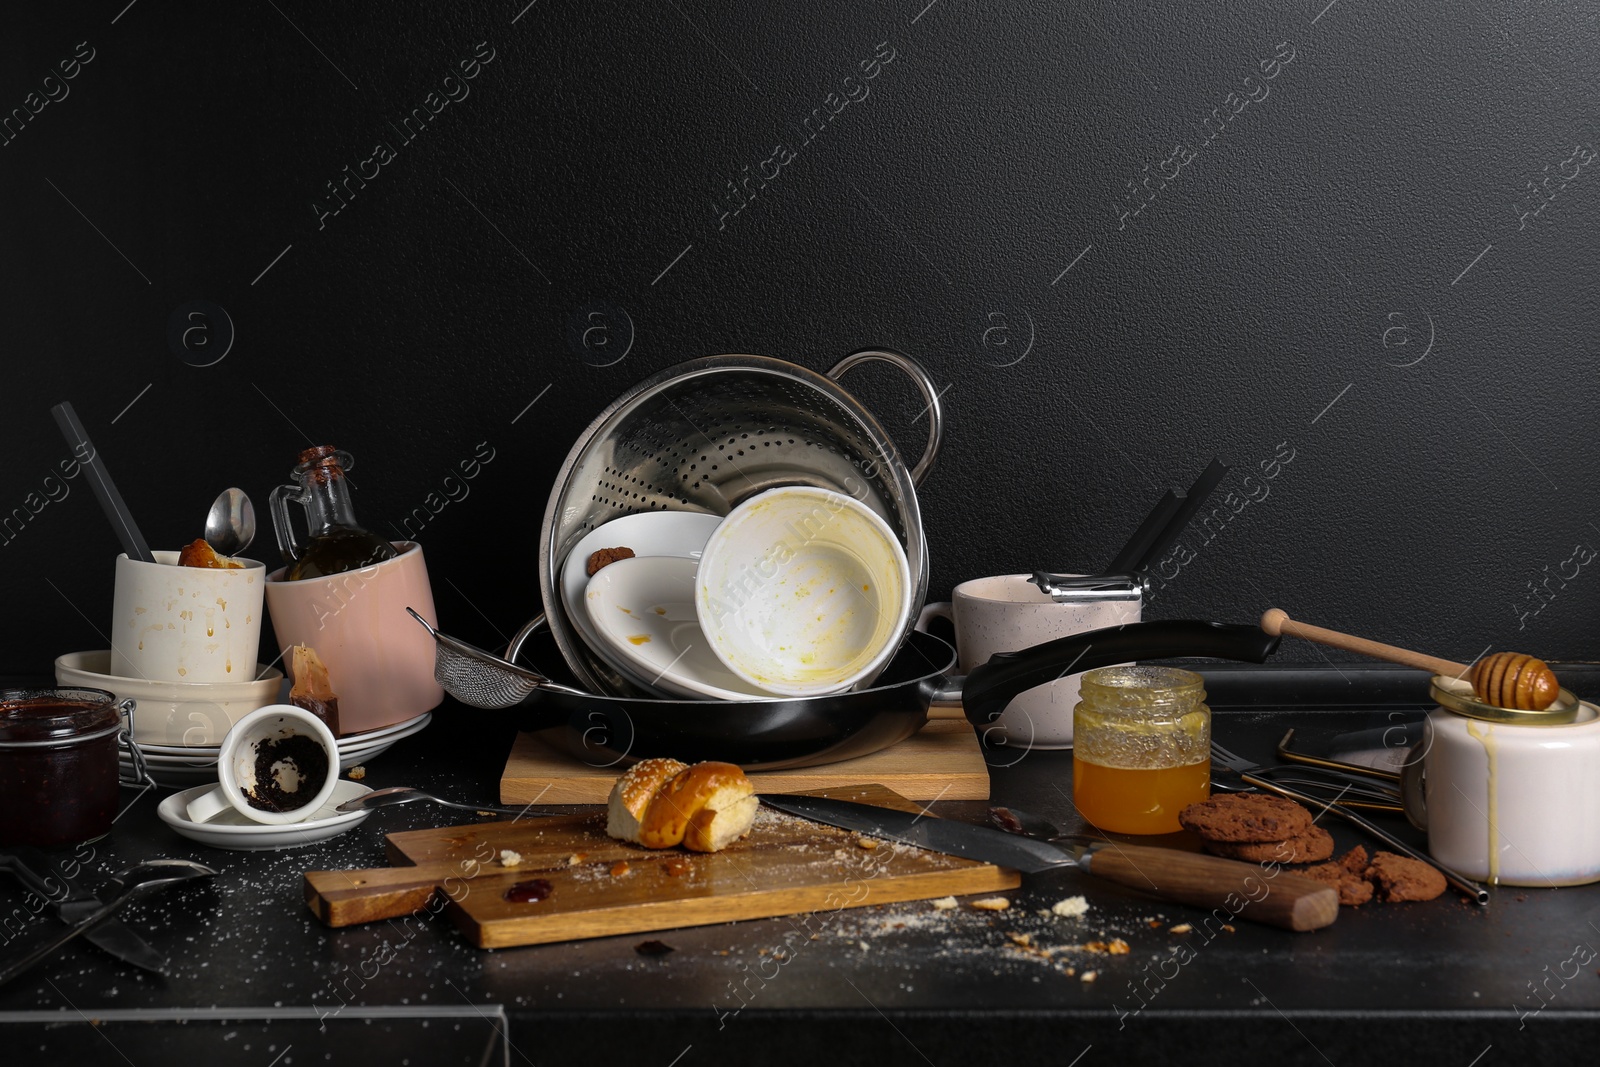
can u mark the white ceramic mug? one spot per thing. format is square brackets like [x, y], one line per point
[1514, 803]
[1008, 613]
[241, 750]
[380, 662]
[186, 624]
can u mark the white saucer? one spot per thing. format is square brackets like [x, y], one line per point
[642, 609]
[232, 830]
[648, 533]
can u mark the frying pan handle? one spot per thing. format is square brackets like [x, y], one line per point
[919, 377]
[990, 687]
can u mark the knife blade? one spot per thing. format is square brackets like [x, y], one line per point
[1245, 890]
[72, 904]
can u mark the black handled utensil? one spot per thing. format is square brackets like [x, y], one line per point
[136, 881]
[105, 490]
[1244, 890]
[72, 904]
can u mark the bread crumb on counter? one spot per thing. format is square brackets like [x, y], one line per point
[508, 858]
[991, 904]
[1070, 908]
[944, 904]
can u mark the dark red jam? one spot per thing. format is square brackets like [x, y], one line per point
[529, 892]
[58, 766]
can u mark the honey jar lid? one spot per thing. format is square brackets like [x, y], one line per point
[1457, 695]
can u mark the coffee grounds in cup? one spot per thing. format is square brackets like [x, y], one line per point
[309, 761]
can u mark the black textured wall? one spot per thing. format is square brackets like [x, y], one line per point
[1347, 247]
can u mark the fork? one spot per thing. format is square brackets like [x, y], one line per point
[1251, 772]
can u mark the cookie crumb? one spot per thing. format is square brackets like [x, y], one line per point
[576, 858]
[866, 842]
[944, 904]
[1181, 928]
[1088, 976]
[357, 773]
[508, 858]
[991, 904]
[620, 868]
[1070, 908]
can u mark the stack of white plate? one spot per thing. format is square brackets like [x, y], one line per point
[185, 765]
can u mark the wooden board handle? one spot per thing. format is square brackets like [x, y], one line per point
[345, 898]
[1277, 621]
[1240, 890]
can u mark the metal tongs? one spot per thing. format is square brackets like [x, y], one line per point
[1129, 572]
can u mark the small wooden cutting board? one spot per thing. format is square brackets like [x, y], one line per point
[595, 886]
[941, 761]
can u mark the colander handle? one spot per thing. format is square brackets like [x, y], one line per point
[924, 384]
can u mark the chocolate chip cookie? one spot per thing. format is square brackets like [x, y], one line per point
[1246, 818]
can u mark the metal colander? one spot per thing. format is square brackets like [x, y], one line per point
[707, 434]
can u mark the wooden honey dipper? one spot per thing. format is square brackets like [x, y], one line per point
[1504, 679]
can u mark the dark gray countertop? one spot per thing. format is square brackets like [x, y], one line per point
[254, 976]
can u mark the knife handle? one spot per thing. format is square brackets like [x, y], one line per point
[1237, 890]
[345, 898]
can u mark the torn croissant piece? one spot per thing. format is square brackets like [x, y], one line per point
[199, 554]
[312, 690]
[662, 803]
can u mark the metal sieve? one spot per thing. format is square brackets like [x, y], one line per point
[706, 434]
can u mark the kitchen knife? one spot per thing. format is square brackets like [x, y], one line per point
[72, 905]
[1243, 890]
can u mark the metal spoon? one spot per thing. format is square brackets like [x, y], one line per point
[139, 880]
[405, 794]
[231, 523]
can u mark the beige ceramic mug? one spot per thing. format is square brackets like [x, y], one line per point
[380, 662]
[186, 624]
[1008, 613]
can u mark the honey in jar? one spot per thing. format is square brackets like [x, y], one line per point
[1141, 748]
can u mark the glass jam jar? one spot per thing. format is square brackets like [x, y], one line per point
[58, 765]
[1141, 748]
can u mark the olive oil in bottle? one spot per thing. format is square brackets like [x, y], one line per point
[335, 542]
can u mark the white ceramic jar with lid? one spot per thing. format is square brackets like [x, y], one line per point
[1512, 796]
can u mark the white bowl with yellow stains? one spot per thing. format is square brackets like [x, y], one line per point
[803, 591]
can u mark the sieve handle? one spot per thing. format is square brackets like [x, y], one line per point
[924, 384]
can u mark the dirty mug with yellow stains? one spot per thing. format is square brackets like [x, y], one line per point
[186, 624]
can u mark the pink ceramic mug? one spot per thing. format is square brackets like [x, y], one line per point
[380, 662]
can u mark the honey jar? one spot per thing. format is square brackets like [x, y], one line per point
[1510, 795]
[1141, 748]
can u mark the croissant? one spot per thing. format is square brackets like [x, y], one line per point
[662, 803]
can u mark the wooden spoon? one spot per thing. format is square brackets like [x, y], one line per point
[1504, 679]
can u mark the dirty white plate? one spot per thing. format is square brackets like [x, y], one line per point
[649, 533]
[176, 766]
[642, 609]
[232, 830]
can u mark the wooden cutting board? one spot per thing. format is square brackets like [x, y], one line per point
[941, 761]
[786, 866]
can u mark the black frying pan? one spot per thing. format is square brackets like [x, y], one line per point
[769, 735]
